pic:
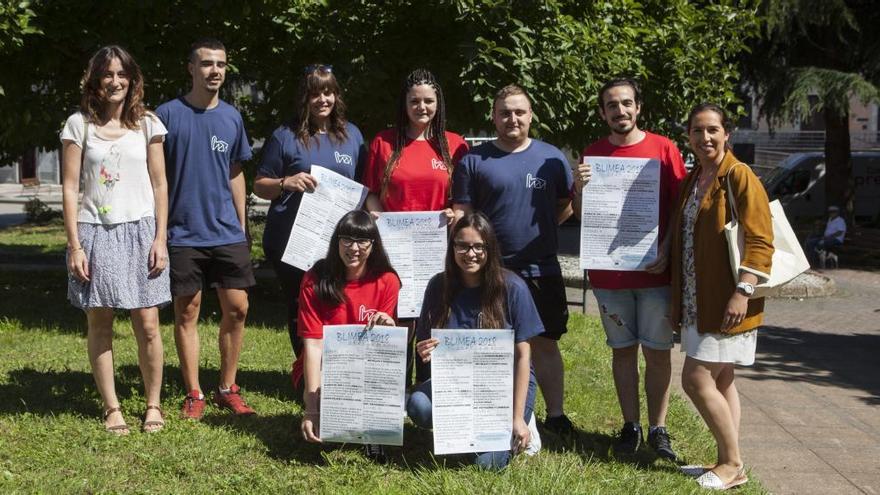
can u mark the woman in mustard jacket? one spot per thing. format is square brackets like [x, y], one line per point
[717, 319]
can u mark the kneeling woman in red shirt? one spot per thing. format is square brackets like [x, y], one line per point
[354, 284]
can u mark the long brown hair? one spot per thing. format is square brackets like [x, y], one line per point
[330, 271]
[435, 134]
[317, 79]
[93, 102]
[493, 287]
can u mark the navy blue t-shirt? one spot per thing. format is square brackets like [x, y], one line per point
[284, 155]
[519, 193]
[522, 315]
[200, 147]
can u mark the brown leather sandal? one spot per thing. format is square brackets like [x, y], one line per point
[120, 429]
[154, 425]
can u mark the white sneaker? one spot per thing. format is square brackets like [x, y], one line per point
[534, 437]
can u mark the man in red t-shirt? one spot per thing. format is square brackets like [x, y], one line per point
[634, 304]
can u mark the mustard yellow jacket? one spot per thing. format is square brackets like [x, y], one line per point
[715, 282]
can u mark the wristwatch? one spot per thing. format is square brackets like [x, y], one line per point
[281, 184]
[746, 288]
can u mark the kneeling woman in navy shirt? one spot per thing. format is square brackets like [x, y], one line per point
[354, 284]
[476, 292]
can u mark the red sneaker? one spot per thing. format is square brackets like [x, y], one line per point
[232, 400]
[193, 407]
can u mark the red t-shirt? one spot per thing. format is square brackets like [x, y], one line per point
[420, 180]
[672, 174]
[363, 298]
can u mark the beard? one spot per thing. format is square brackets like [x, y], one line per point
[625, 129]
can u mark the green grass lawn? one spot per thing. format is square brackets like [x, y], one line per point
[46, 243]
[51, 439]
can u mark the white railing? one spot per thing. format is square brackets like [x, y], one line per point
[804, 140]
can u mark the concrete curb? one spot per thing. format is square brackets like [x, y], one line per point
[809, 284]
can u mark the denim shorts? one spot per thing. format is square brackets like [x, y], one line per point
[635, 316]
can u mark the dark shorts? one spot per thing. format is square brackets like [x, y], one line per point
[550, 299]
[225, 267]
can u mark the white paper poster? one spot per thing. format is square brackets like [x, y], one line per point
[472, 390]
[318, 214]
[362, 384]
[620, 213]
[416, 245]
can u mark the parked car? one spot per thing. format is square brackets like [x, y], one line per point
[799, 183]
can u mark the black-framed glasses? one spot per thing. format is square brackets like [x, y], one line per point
[351, 241]
[318, 67]
[463, 247]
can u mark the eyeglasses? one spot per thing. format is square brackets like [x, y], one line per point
[351, 241]
[463, 247]
[318, 67]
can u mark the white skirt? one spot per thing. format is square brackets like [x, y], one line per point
[719, 348]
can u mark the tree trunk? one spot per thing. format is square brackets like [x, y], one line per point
[839, 184]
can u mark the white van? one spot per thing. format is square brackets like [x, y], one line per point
[799, 183]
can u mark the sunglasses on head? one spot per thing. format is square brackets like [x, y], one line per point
[318, 67]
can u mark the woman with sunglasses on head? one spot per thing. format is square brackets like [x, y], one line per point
[116, 252]
[711, 308]
[410, 165]
[317, 134]
[354, 284]
[475, 291]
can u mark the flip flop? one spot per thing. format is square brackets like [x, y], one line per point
[120, 429]
[695, 470]
[153, 426]
[711, 481]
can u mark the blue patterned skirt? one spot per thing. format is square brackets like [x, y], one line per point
[118, 257]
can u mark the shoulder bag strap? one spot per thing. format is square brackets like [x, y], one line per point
[731, 199]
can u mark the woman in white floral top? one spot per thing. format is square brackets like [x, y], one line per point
[116, 241]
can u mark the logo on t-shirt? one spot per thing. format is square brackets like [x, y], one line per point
[438, 164]
[342, 158]
[535, 182]
[219, 145]
[365, 314]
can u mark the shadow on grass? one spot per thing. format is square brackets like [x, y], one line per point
[596, 446]
[38, 299]
[51, 392]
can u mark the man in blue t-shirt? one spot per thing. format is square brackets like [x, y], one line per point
[524, 186]
[204, 148]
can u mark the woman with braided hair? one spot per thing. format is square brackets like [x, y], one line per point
[410, 165]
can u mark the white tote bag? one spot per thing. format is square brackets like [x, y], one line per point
[789, 260]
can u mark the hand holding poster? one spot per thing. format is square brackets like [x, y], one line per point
[416, 245]
[362, 384]
[620, 214]
[318, 214]
[472, 390]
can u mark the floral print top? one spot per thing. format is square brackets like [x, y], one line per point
[688, 263]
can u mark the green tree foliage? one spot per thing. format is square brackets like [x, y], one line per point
[682, 51]
[825, 49]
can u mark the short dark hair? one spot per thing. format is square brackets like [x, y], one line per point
[209, 43]
[511, 90]
[620, 81]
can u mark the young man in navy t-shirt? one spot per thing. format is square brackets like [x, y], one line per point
[634, 305]
[204, 148]
[523, 185]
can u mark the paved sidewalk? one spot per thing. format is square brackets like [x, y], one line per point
[811, 404]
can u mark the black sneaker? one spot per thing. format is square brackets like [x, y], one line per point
[375, 453]
[658, 439]
[629, 439]
[559, 425]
